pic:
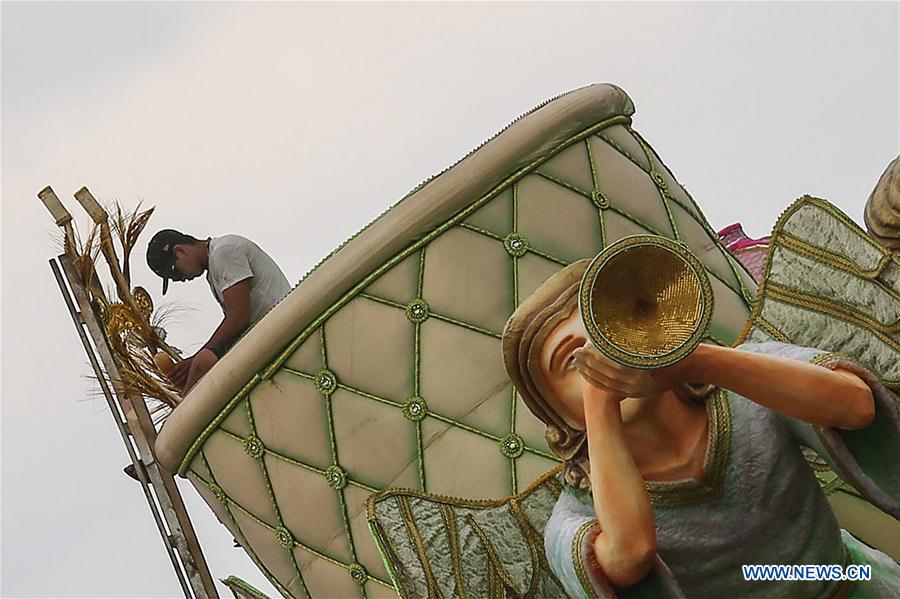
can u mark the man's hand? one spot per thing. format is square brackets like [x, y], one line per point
[623, 381]
[202, 361]
[179, 373]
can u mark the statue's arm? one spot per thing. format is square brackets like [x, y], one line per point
[625, 547]
[831, 398]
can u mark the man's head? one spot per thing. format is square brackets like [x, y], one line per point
[176, 256]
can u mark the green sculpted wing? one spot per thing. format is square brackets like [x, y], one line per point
[829, 285]
[441, 546]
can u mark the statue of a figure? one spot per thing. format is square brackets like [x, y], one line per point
[685, 473]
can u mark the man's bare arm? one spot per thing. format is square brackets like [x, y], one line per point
[237, 318]
[237, 314]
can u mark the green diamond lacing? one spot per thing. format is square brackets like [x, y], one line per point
[417, 311]
[516, 245]
[415, 409]
[358, 574]
[512, 445]
[336, 477]
[285, 539]
[254, 447]
[326, 382]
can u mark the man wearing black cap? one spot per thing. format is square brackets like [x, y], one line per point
[243, 278]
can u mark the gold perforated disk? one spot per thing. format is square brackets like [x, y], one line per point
[646, 301]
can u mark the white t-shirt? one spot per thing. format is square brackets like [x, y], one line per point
[232, 259]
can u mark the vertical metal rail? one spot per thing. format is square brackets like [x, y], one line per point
[138, 433]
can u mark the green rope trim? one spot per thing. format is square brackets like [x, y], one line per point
[547, 256]
[281, 456]
[578, 558]
[514, 479]
[821, 255]
[358, 574]
[471, 327]
[601, 205]
[418, 311]
[399, 257]
[268, 481]
[661, 188]
[431, 314]
[431, 414]
[742, 293]
[371, 396]
[326, 385]
[233, 582]
[621, 150]
[421, 283]
[512, 445]
[420, 456]
[716, 340]
[345, 387]
[245, 544]
[296, 543]
[381, 541]
[839, 310]
[336, 476]
[311, 468]
[515, 245]
[562, 183]
[481, 231]
[770, 329]
[490, 436]
[417, 373]
[515, 259]
[415, 409]
[733, 263]
[692, 211]
[590, 157]
[507, 241]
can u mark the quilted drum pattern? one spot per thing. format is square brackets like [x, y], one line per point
[399, 382]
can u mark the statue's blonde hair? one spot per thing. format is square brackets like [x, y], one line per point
[523, 336]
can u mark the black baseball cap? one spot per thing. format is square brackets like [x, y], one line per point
[161, 254]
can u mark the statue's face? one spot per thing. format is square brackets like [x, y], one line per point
[563, 380]
[560, 376]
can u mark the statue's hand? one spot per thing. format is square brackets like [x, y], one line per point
[623, 381]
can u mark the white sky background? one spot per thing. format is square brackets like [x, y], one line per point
[297, 124]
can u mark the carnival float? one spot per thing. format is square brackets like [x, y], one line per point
[364, 440]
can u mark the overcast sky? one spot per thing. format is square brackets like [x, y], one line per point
[297, 124]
